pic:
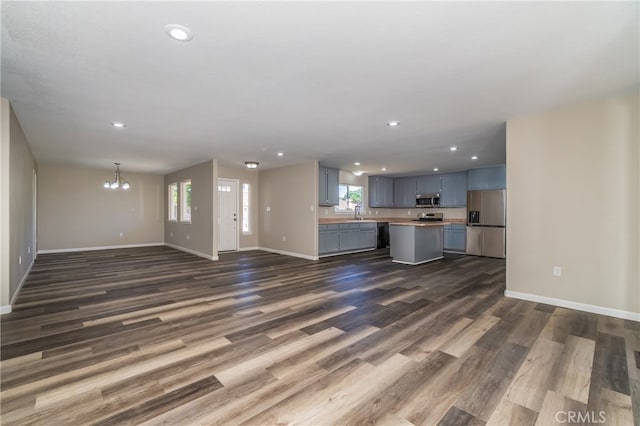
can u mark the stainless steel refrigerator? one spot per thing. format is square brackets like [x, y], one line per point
[486, 223]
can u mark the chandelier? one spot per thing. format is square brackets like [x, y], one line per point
[118, 182]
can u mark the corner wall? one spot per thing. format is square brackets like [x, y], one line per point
[574, 202]
[289, 210]
[198, 237]
[75, 212]
[17, 207]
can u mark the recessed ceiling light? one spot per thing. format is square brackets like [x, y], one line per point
[453, 148]
[118, 124]
[393, 123]
[384, 169]
[281, 154]
[357, 172]
[475, 157]
[356, 163]
[435, 169]
[178, 32]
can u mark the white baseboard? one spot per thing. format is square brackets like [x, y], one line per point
[5, 309]
[186, 250]
[345, 252]
[248, 248]
[288, 253]
[601, 310]
[99, 248]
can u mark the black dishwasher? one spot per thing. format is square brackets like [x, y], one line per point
[383, 235]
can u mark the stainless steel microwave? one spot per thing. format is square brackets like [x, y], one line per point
[428, 200]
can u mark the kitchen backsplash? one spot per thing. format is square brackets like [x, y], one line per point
[448, 213]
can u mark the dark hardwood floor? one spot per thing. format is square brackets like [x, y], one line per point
[157, 336]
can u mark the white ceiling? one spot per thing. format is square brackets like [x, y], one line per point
[316, 80]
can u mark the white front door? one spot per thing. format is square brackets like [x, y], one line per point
[227, 214]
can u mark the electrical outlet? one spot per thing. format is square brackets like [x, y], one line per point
[19, 260]
[28, 250]
[122, 234]
[171, 234]
[557, 271]
[268, 209]
[311, 207]
[187, 236]
[284, 238]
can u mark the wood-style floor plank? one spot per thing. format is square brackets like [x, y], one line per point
[157, 336]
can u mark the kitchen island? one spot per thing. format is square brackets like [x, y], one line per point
[414, 243]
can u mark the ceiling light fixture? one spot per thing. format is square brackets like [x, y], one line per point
[281, 154]
[384, 169]
[357, 172]
[118, 182]
[118, 124]
[453, 148]
[251, 164]
[475, 157]
[435, 169]
[356, 163]
[393, 123]
[178, 32]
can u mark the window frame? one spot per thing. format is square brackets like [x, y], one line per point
[245, 208]
[338, 210]
[184, 199]
[172, 207]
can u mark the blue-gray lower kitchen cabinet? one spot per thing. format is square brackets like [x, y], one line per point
[328, 241]
[455, 237]
[368, 235]
[346, 237]
[349, 236]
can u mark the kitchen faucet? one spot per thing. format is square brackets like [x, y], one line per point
[356, 212]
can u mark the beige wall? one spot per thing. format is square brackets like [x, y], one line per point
[17, 209]
[244, 175]
[574, 202]
[198, 237]
[22, 211]
[289, 209]
[5, 190]
[75, 211]
[351, 179]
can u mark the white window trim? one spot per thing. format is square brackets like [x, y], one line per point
[169, 202]
[350, 213]
[241, 196]
[181, 195]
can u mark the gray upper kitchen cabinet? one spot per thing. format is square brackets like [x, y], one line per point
[380, 191]
[454, 190]
[404, 192]
[487, 178]
[328, 183]
[428, 184]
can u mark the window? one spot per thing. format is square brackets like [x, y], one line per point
[350, 196]
[245, 209]
[173, 202]
[185, 201]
